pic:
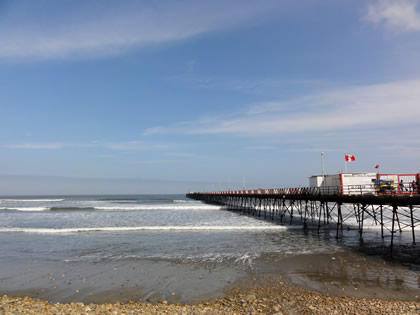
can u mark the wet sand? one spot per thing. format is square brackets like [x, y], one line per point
[141, 280]
[265, 296]
[344, 282]
[345, 274]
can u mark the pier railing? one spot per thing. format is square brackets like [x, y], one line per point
[325, 190]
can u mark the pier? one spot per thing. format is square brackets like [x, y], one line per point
[326, 207]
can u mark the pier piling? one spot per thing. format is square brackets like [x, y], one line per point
[308, 206]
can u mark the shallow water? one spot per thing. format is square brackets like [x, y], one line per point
[107, 228]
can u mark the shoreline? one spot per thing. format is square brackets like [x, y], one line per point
[315, 283]
[342, 272]
[258, 296]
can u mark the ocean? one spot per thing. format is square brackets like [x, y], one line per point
[151, 247]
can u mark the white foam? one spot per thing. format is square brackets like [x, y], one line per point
[162, 207]
[118, 208]
[30, 200]
[142, 228]
[25, 209]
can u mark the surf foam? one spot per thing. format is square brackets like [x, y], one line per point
[141, 228]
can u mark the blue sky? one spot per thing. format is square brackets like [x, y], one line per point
[197, 94]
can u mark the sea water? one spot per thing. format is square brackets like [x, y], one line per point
[156, 242]
[105, 228]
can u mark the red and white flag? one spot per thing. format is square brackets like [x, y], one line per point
[377, 166]
[350, 158]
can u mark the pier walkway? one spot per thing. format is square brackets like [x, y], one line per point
[326, 207]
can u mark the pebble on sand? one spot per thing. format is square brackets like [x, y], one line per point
[271, 297]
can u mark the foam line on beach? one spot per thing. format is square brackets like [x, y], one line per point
[181, 206]
[31, 200]
[171, 207]
[25, 208]
[141, 228]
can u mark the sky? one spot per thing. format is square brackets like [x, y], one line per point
[172, 96]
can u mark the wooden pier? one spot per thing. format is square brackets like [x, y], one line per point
[391, 212]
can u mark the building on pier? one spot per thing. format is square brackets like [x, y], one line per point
[365, 183]
[344, 183]
[403, 182]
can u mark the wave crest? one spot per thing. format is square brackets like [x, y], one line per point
[141, 228]
[31, 200]
[118, 208]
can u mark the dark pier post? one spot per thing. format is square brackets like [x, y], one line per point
[362, 221]
[305, 217]
[382, 222]
[412, 224]
[300, 210]
[339, 218]
[374, 215]
[273, 209]
[398, 221]
[291, 211]
[326, 214]
[283, 208]
[394, 212]
[320, 215]
[265, 208]
[358, 215]
[314, 210]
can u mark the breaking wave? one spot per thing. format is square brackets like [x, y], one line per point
[142, 228]
[31, 200]
[25, 208]
[118, 208]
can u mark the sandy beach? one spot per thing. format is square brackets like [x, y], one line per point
[311, 284]
[264, 296]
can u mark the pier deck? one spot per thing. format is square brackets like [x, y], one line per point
[390, 212]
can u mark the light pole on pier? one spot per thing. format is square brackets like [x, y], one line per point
[322, 170]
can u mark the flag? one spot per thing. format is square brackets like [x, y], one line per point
[350, 158]
[377, 166]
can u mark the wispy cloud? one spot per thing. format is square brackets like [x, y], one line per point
[115, 146]
[154, 130]
[35, 146]
[111, 29]
[134, 146]
[261, 86]
[262, 148]
[374, 106]
[155, 161]
[399, 15]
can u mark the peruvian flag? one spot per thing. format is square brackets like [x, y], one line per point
[350, 158]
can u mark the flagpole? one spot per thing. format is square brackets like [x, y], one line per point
[345, 163]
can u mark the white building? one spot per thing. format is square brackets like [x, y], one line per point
[344, 183]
